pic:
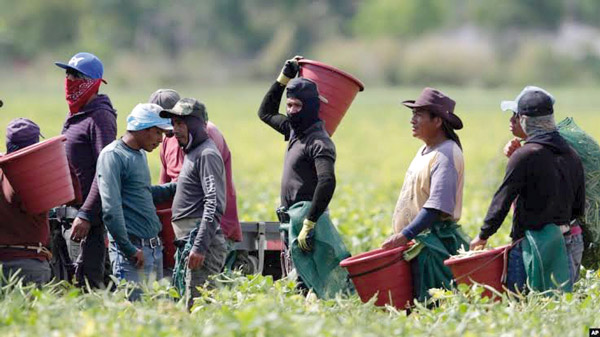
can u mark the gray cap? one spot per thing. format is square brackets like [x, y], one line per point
[186, 107]
[166, 98]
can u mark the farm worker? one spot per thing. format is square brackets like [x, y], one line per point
[545, 177]
[128, 198]
[23, 236]
[308, 168]
[573, 234]
[430, 201]
[172, 157]
[90, 125]
[199, 202]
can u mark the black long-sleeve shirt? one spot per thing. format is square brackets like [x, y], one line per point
[308, 171]
[545, 176]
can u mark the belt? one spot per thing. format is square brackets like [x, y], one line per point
[66, 212]
[40, 249]
[152, 242]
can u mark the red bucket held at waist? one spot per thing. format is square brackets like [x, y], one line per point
[384, 273]
[40, 174]
[485, 268]
[338, 87]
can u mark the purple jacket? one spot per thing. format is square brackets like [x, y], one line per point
[88, 132]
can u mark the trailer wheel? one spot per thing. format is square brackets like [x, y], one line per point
[245, 263]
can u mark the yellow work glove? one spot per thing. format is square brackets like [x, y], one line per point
[306, 235]
[290, 70]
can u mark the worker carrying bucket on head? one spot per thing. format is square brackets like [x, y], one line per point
[308, 181]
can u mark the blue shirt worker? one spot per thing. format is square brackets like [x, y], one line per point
[128, 198]
[200, 199]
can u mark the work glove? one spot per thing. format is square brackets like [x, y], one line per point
[289, 70]
[305, 238]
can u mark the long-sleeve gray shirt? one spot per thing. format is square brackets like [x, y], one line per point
[127, 195]
[200, 194]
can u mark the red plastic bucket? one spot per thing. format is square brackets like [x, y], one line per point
[485, 268]
[382, 272]
[338, 87]
[40, 174]
[167, 235]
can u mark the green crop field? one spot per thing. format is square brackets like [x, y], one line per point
[374, 147]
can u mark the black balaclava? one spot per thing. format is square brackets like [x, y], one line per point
[306, 91]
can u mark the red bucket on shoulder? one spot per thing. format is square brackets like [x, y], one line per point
[337, 86]
[40, 174]
[384, 273]
[485, 268]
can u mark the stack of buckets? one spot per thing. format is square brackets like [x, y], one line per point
[40, 175]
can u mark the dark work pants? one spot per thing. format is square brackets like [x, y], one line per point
[91, 263]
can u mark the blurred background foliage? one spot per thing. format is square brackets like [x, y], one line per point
[387, 42]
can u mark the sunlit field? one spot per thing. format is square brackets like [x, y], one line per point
[374, 148]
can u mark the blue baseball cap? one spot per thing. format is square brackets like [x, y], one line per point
[145, 116]
[85, 63]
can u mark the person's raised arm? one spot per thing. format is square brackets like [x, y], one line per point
[268, 111]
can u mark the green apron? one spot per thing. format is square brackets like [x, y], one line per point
[432, 247]
[545, 259]
[320, 268]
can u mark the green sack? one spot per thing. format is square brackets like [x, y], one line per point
[545, 259]
[589, 152]
[320, 268]
[432, 247]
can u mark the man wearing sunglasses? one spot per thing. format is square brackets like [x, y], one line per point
[90, 125]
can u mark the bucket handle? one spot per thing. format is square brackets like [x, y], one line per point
[398, 259]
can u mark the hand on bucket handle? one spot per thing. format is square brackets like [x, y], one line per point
[290, 70]
[478, 243]
[395, 241]
[306, 236]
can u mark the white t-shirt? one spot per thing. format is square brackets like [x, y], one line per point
[434, 180]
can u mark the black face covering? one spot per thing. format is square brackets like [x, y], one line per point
[306, 91]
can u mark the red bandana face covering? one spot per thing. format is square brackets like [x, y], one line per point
[79, 91]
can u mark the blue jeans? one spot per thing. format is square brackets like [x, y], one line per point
[516, 277]
[125, 269]
[31, 270]
[575, 251]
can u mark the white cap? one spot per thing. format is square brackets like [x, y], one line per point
[145, 116]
